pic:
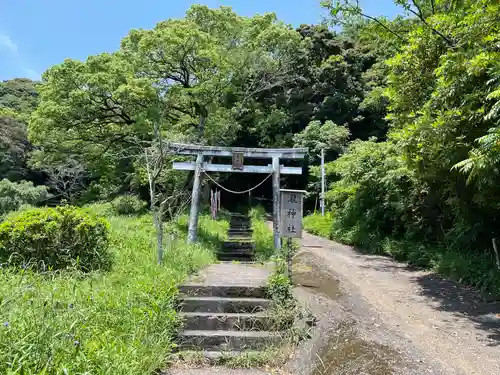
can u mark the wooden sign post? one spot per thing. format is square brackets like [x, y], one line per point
[291, 207]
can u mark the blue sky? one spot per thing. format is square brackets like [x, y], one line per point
[35, 34]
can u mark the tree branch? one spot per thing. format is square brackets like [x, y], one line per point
[421, 17]
[375, 19]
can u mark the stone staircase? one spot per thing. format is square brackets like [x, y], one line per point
[240, 245]
[227, 312]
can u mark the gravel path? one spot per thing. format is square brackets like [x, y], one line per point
[437, 326]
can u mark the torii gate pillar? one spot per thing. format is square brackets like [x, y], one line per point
[276, 203]
[195, 201]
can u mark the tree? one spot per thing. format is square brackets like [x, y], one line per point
[182, 81]
[67, 180]
[212, 62]
[317, 137]
[18, 98]
[13, 146]
[19, 94]
[333, 81]
[442, 102]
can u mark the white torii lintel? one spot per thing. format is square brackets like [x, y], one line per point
[188, 166]
[259, 153]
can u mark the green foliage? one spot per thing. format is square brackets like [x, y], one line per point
[279, 288]
[317, 137]
[373, 189]
[128, 205]
[55, 238]
[19, 95]
[18, 98]
[262, 234]
[118, 322]
[408, 196]
[329, 88]
[15, 194]
[13, 146]
[319, 224]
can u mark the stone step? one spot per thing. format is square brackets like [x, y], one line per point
[240, 237]
[239, 231]
[238, 250]
[243, 238]
[227, 340]
[238, 257]
[214, 355]
[240, 220]
[224, 304]
[227, 321]
[238, 245]
[200, 290]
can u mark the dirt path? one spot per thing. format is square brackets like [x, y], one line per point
[438, 323]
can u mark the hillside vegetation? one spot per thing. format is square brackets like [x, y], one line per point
[117, 322]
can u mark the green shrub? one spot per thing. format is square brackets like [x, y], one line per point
[128, 205]
[55, 238]
[15, 194]
[319, 225]
[258, 213]
[279, 287]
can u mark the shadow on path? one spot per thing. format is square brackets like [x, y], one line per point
[467, 302]
[450, 296]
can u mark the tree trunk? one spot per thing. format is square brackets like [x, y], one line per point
[201, 127]
[158, 222]
[157, 215]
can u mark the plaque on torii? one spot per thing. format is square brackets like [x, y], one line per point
[238, 158]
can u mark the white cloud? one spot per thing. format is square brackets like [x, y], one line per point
[16, 58]
[7, 43]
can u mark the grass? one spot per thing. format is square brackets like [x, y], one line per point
[120, 322]
[318, 224]
[262, 234]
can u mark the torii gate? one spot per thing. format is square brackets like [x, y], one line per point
[238, 154]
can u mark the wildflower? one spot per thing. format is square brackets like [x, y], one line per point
[77, 343]
[70, 305]
[5, 324]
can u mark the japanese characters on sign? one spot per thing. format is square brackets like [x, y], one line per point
[238, 160]
[291, 213]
